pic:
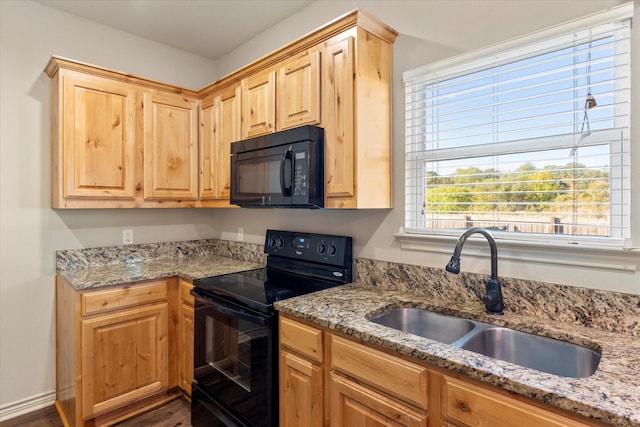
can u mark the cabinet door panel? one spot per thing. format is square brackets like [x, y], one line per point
[259, 104]
[170, 147]
[338, 117]
[124, 357]
[221, 125]
[98, 138]
[355, 405]
[299, 91]
[185, 324]
[301, 391]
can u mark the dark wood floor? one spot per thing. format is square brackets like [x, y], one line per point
[176, 413]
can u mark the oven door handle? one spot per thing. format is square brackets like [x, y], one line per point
[235, 312]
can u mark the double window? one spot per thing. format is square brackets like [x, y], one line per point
[529, 138]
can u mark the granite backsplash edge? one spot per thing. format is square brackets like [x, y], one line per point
[606, 310]
[610, 311]
[73, 259]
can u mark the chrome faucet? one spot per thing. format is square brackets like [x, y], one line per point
[493, 297]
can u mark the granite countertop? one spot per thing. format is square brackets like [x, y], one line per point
[611, 394]
[125, 272]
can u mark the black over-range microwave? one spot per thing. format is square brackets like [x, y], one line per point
[279, 170]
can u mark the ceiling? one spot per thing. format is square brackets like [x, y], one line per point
[208, 28]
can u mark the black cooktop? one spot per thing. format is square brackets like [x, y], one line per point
[298, 264]
[259, 289]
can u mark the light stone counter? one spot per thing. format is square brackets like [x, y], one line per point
[611, 395]
[114, 265]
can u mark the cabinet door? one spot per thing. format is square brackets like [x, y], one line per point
[259, 104]
[185, 325]
[124, 357]
[299, 91]
[338, 117]
[301, 389]
[98, 138]
[170, 147]
[221, 125]
[355, 405]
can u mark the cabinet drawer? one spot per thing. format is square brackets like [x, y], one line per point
[392, 375]
[302, 338]
[116, 298]
[473, 405]
[185, 292]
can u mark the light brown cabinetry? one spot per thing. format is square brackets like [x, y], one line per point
[124, 141]
[170, 146]
[113, 354]
[220, 126]
[185, 337]
[93, 140]
[367, 386]
[298, 91]
[301, 375]
[120, 141]
[356, 116]
[259, 104]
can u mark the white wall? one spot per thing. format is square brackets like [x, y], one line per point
[31, 231]
[430, 31]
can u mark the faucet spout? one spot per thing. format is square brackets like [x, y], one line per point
[493, 297]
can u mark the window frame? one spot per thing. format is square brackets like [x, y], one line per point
[622, 254]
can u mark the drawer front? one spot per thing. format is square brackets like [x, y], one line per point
[185, 292]
[302, 338]
[477, 406]
[392, 375]
[101, 301]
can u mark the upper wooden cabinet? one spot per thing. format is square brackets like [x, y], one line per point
[124, 141]
[93, 140]
[259, 104]
[220, 126]
[298, 94]
[119, 140]
[170, 147]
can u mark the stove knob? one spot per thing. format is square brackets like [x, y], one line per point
[271, 241]
[280, 243]
[322, 248]
[332, 250]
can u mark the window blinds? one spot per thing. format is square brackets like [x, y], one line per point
[529, 140]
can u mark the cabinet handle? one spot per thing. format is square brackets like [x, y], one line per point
[463, 406]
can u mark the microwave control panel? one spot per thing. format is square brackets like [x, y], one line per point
[300, 174]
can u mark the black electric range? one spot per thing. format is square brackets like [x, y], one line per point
[235, 326]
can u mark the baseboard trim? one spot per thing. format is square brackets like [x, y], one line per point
[24, 406]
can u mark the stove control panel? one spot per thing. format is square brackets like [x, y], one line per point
[322, 248]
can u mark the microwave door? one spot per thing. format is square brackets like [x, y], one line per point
[260, 177]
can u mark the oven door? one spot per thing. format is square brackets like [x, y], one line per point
[235, 364]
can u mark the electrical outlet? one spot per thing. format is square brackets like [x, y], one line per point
[240, 234]
[127, 237]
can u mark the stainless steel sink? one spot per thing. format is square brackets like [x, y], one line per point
[540, 353]
[521, 348]
[437, 327]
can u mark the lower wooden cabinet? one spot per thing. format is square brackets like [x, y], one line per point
[185, 337]
[352, 404]
[301, 398]
[361, 385]
[114, 351]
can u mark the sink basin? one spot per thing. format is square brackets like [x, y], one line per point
[528, 350]
[437, 327]
[532, 351]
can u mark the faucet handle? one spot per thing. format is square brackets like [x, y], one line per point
[493, 298]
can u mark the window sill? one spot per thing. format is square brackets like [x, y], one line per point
[540, 252]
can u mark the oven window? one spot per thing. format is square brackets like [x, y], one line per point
[229, 343]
